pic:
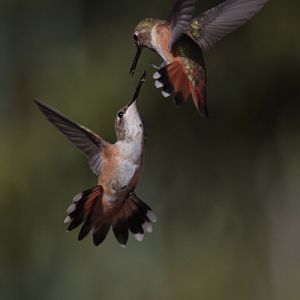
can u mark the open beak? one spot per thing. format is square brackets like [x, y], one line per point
[136, 59]
[138, 88]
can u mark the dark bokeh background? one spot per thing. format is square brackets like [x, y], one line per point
[226, 190]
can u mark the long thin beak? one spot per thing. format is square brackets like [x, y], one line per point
[136, 59]
[138, 88]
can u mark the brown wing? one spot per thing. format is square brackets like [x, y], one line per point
[84, 139]
[221, 20]
[180, 18]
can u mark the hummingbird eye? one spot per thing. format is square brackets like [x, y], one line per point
[120, 115]
[135, 37]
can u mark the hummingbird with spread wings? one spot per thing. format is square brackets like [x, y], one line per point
[181, 40]
[112, 202]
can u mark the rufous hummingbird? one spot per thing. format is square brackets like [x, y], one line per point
[118, 167]
[180, 41]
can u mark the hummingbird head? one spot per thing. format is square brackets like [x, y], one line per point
[128, 123]
[142, 38]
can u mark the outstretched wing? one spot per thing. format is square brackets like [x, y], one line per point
[221, 20]
[84, 139]
[180, 18]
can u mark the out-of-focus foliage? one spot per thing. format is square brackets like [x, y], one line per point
[226, 190]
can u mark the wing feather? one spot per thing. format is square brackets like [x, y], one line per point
[216, 23]
[84, 139]
[180, 18]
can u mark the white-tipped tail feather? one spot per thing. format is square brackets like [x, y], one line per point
[165, 94]
[77, 198]
[147, 227]
[67, 220]
[156, 75]
[158, 84]
[139, 237]
[151, 216]
[71, 208]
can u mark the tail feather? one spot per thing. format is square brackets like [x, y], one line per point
[88, 209]
[85, 229]
[175, 80]
[134, 224]
[120, 229]
[147, 211]
[101, 233]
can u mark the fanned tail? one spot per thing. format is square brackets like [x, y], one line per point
[175, 79]
[88, 209]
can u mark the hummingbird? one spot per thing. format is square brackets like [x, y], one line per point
[112, 202]
[180, 40]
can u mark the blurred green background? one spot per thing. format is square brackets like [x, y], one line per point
[226, 190]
